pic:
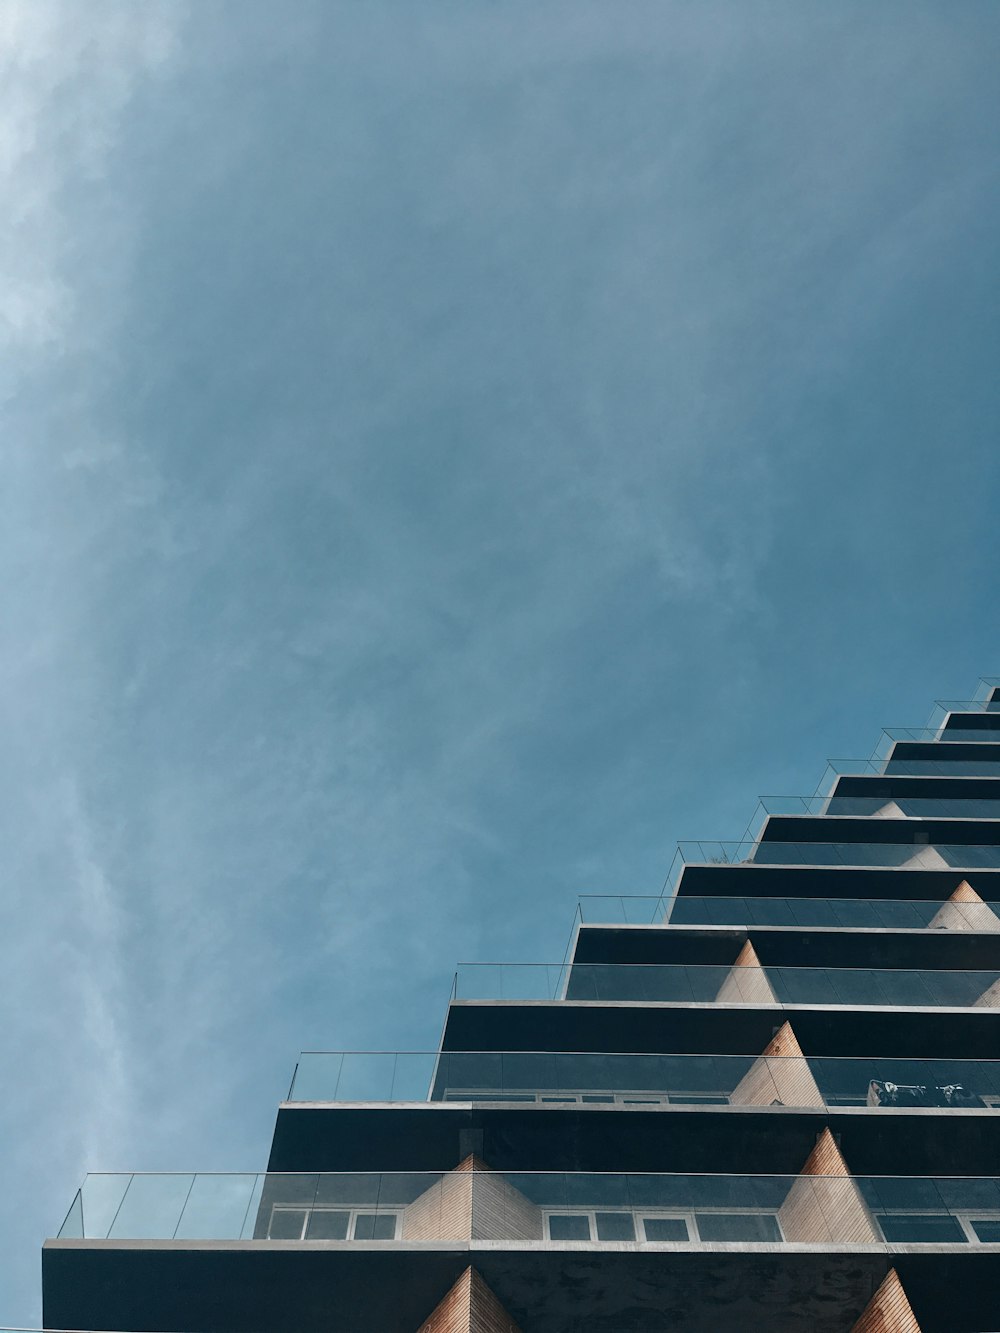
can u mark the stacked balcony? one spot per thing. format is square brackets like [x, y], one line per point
[767, 1097]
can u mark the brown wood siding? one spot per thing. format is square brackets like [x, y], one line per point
[469, 1307]
[888, 1311]
[747, 983]
[472, 1203]
[786, 1078]
[825, 1204]
[965, 910]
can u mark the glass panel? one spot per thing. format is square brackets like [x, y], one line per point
[327, 1224]
[615, 1226]
[567, 1226]
[101, 1196]
[252, 1216]
[73, 1222]
[738, 1226]
[151, 1208]
[887, 914]
[286, 1224]
[217, 1206]
[317, 1076]
[671, 1208]
[375, 1226]
[665, 1229]
[673, 983]
[921, 1227]
[366, 1077]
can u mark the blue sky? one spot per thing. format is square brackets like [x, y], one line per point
[449, 452]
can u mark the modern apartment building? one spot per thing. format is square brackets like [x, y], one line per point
[768, 1098]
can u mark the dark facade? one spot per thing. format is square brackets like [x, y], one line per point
[769, 1098]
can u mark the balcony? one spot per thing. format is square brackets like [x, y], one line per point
[988, 733]
[608, 1079]
[863, 806]
[678, 983]
[982, 766]
[857, 855]
[844, 913]
[571, 1208]
[943, 707]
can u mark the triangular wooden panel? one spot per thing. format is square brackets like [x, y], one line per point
[825, 1204]
[747, 982]
[469, 1307]
[889, 811]
[888, 1311]
[472, 1203]
[784, 1042]
[965, 910]
[780, 1076]
[925, 858]
[965, 893]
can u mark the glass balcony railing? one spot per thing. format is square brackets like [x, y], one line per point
[565, 1207]
[705, 984]
[902, 766]
[863, 807]
[985, 767]
[363, 1076]
[569, 1078]
[852, 913]
[861, 855]
[943, 707]
[624, 909]
[855, 806]
[942, 735]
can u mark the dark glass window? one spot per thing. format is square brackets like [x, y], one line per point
[615, 1226]
[665, 1228]
[921, 1226]
[327, 1224]
[375, 1226]
[569, 1226]
[738, 1226]
[287, 1223]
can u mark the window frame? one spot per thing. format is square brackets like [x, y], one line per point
[639, 1216]
[353, 1213]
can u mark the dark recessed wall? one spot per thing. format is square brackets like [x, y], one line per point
[789, 947]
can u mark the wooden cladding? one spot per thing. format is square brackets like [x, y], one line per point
[825, 1204]
[888, 1311]
[469, 1307]
[965, 910]
[747, 983]
[472, 1203]
[785, 1080]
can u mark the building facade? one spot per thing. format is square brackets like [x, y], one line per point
[768, 1098]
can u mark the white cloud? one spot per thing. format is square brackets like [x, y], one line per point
[69, 72]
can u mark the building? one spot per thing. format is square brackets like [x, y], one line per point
[768, 1098]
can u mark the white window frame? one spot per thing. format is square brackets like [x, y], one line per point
[965, 1219]
[353, 1214]
[641, 1215]
[968, 1216]
[575, 1097]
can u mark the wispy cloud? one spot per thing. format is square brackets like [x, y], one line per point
[68, 77]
